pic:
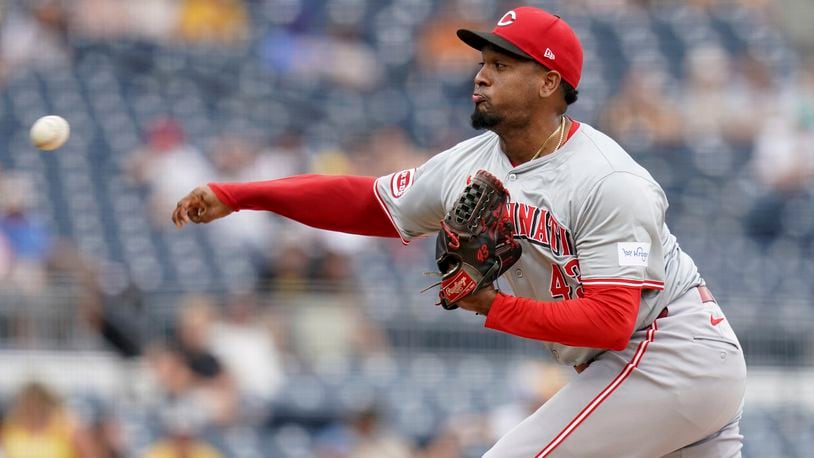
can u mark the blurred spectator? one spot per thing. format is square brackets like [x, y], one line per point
[334, 326]
[287, 271]
[756, 95]
[784, 157]
[440, 51]
[235, 156]
[183, 429]
[362, 435]
[641, 112]
[6, 257]
[72, 286]
[287, 155]
[182, 446]
[213, 22]
[108, 435]
[334, 269]
[23, 230]
[241, 340]
[154, 20]
[533, 383]
[349, 60]
[183, 367]
[711, 105]
[209, 378]
[169, 167]
[783, 164]
[39, 425]
[199, 386]
[118, 318]
[192, 338]
[794, 17]
[33, 35]
[340, 58]
[239, 157]
[100, 19]
[385, 150]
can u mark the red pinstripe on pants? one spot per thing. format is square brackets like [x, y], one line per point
[604, 394]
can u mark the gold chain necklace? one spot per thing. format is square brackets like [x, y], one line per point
[561, 130]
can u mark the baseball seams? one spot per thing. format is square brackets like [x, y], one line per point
[604, 394]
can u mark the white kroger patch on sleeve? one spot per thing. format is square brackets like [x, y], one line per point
[633, 253]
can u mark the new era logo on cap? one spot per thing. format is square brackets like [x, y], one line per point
[549, 54]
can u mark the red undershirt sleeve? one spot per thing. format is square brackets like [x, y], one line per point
[604, 318]
[337, 203]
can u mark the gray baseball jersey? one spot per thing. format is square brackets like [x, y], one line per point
[587, 214]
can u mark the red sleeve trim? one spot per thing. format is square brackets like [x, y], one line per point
[387, 212]
[605, 318]
[645, 284]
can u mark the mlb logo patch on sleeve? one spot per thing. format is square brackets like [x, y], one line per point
[633, 253]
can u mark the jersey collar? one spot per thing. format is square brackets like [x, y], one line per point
[575, 125]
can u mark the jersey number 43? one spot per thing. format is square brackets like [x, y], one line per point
[560, 287]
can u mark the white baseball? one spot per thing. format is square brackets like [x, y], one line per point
[50, 132]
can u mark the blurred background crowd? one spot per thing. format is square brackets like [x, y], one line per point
[259, 337]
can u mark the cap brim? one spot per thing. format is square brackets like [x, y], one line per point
[478, 40]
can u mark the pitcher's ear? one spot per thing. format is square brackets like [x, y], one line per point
[550, 83]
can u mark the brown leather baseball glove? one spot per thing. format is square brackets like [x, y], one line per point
[476, 242]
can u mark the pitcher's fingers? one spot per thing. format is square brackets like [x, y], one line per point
[185, 213]
[176, 216]
[181, 214]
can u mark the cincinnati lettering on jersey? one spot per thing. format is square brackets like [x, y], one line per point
[538, 226]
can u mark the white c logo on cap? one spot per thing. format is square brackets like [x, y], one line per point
[507, 18]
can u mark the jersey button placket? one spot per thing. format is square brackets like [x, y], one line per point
[512, 177]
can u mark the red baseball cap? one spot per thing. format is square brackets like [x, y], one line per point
[535, 34]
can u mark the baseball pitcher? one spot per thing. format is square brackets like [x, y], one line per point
[577, 230]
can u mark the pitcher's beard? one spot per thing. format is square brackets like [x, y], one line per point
[481, 120]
